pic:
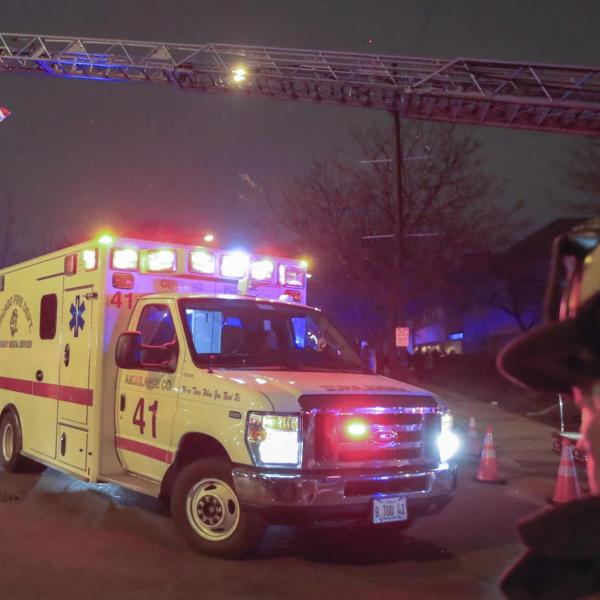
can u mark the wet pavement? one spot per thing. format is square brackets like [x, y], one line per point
[61, 538]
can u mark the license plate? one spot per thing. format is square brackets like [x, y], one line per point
[386, 510]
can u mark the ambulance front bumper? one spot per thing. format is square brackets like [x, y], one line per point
[334, 495]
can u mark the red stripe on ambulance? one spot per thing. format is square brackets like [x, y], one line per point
[65, 393]
[145, 450]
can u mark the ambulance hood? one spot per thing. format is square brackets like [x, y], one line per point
[283, 388]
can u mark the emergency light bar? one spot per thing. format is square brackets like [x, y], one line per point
[203, 262]
[161, 261]
[139, 256]
[124, 259]
[235, 265]
[262, 270]
[90, 259]
[292, 276]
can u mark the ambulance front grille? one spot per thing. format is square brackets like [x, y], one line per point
[399, 431]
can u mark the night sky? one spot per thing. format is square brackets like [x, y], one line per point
[77, 154]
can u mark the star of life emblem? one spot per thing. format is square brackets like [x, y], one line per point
[77, 321]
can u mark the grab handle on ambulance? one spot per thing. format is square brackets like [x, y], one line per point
[39, 375]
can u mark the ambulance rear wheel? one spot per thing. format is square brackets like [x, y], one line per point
[207, 511]
[11, 444]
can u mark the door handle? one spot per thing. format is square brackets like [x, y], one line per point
[39, 375]
[67, 356]
[122, 402]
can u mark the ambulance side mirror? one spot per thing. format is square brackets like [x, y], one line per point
[128, 353]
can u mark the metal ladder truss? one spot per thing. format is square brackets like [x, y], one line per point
[542, 97]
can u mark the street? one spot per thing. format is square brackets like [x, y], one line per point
[61, 538]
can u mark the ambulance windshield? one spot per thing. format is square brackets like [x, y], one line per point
[250, 334]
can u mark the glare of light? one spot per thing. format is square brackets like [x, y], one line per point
[239, 74]
[161, 260]
[308, 275]
[356, 429]
[90, 259]
[202, 261]
[280, 447]
[260, 380]
[209, 237]
[235, 264]
[292, 276]
[238, 380]
[125, 259]
[262, 270]
[448, 444]
[304, 264]
[105, 239]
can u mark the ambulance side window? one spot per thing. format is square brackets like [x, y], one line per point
[156, 325]
[48, 312]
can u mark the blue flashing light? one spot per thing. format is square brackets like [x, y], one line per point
[459, 335]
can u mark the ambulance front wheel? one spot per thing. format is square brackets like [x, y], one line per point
[207, 511]
[10, 445]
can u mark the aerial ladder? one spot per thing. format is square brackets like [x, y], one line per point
[516, 95]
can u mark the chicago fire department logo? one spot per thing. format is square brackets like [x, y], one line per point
[14, 317]
[77, 321]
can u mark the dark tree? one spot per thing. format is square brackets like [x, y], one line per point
[331, 213]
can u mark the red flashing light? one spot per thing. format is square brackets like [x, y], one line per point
[123, 281]
[295, 295]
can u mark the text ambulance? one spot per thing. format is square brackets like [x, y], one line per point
[140, 364]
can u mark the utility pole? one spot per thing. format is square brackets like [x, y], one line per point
[397, 309]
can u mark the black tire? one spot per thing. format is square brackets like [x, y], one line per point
[11, 444]
[206, 510]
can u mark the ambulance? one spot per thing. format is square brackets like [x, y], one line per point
[201, 377]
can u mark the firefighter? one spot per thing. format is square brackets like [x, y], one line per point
[562, 559]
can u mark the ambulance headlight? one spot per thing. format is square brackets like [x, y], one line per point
[274, 439]
[448, 442]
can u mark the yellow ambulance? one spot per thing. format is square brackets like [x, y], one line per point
[144, 365]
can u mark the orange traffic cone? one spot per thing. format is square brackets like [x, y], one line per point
[567, 484]
[488, 467]
[474, 446]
